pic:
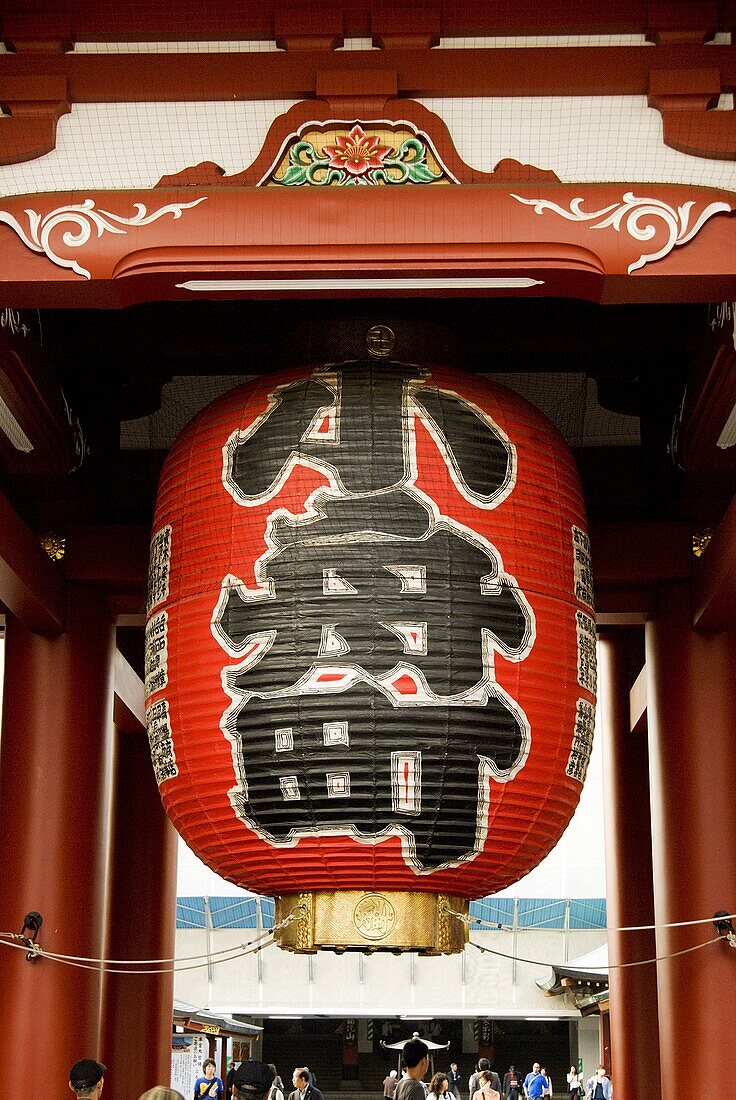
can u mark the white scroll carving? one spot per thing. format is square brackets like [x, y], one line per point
[82, 218]
[638, 217]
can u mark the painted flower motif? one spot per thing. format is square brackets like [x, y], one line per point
[357, 152]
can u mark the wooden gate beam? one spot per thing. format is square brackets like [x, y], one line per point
[31, 587]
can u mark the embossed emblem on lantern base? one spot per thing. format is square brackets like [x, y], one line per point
[361, 920]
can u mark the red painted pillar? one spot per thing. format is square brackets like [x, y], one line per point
[634, 1032]
[137, 1008]
[55, 756]
[692, 718]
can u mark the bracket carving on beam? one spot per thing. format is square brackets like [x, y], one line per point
[685, 98]
[34, 105]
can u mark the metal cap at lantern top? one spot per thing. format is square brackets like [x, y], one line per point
[380, 341]
[370, 921]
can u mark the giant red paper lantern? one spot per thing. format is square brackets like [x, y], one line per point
[371, 644]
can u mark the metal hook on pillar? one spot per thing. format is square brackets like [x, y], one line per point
[724, 927]
[31, 924]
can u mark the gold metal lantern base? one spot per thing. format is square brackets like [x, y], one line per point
[369, 920]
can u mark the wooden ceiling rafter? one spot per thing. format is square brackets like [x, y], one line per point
[529, 71]
[24, 24]
[682, 80]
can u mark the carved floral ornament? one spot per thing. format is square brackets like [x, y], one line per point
[337, 154]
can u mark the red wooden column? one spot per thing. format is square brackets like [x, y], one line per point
[137, 1008]
[629, 892]
[55, 756]
[692, 718]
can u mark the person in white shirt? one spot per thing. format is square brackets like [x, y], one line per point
[599, 1086]
[439, 1088]
[574, 1083]
[547, 1090]
[303, 1090]
[277, 1088]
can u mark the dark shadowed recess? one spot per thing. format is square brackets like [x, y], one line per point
[611, 377]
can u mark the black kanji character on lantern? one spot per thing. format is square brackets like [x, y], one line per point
[352, 761]
[434, 602]
[369, 449]
[365, 699]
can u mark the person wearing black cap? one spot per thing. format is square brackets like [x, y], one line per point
[86, 1078]
[252, 1081]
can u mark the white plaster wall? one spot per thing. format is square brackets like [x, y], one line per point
[387, 988]
[128, 145]
[381, 985]
[589, 1043]
[191, 985]
[436, 983]
[581, 138]
[238, 978]
[338, 977]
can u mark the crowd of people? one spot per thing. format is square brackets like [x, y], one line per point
[485, 1083]
[252, 1080]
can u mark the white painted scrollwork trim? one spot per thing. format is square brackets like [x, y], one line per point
[638, 217]
[83, 218]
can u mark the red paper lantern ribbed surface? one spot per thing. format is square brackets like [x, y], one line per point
[371, 643]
